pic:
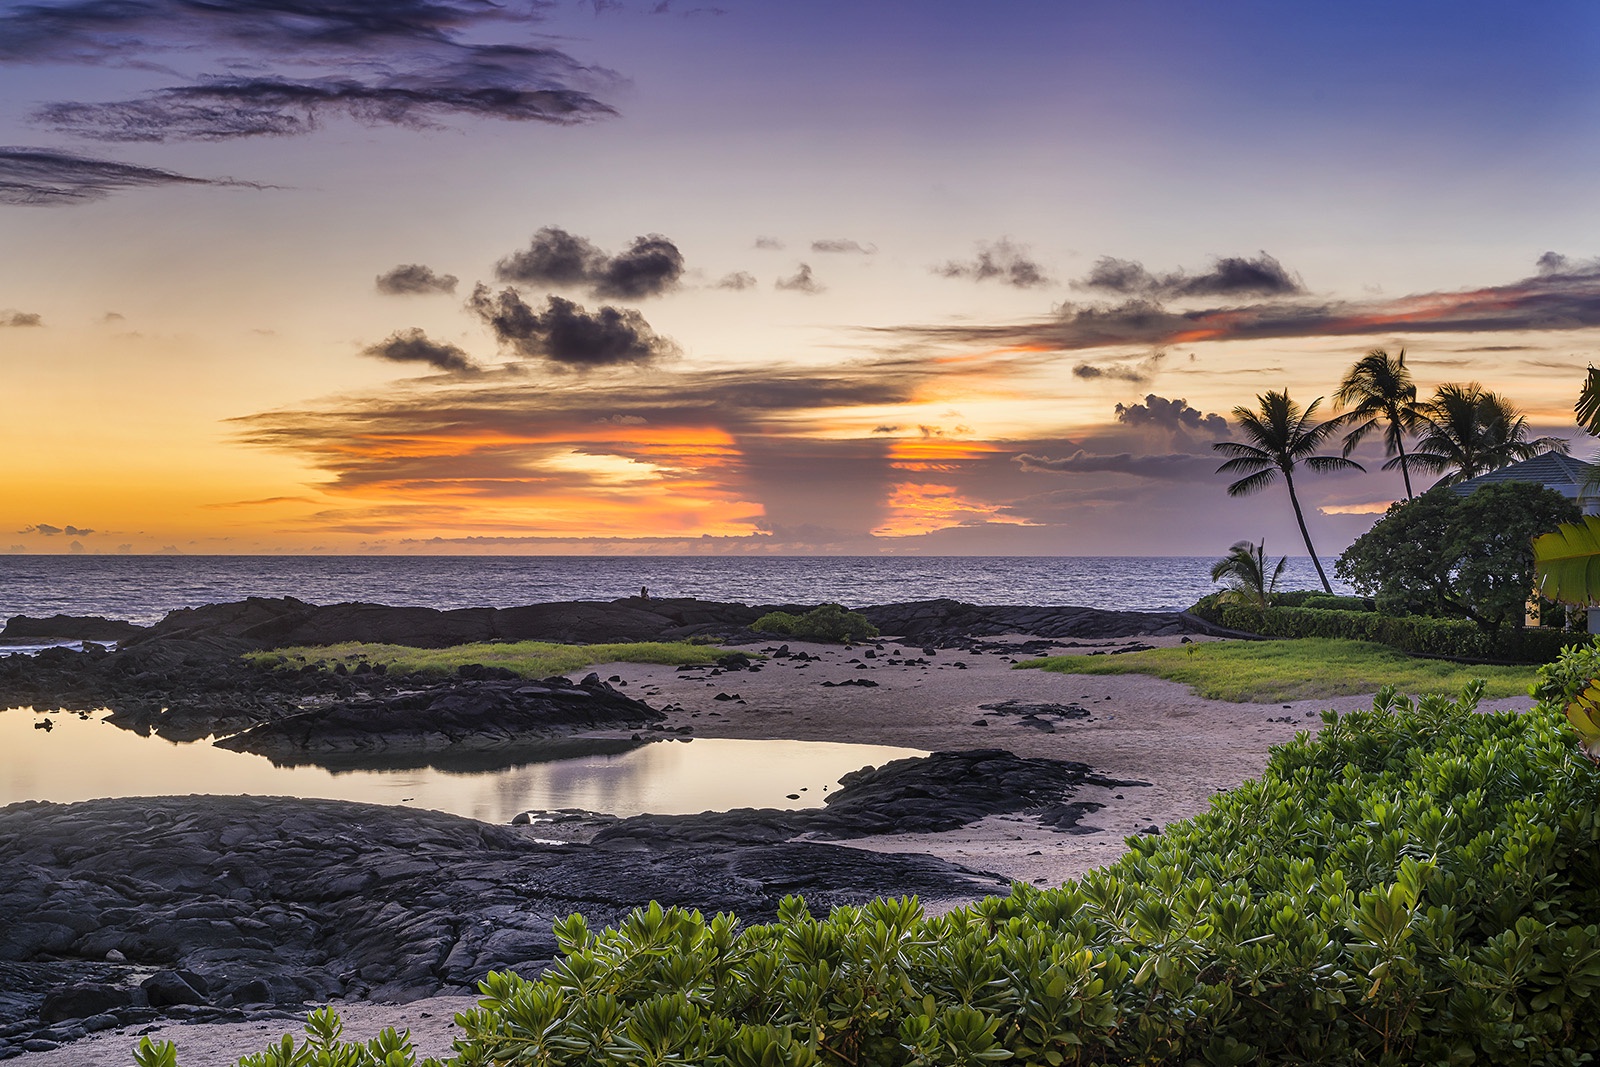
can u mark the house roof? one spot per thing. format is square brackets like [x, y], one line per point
[1561, 473]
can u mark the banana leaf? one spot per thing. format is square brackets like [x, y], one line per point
[1566, 563]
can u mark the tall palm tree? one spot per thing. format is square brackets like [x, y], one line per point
[1380, 387]
[1470, 431]
[1280, 435]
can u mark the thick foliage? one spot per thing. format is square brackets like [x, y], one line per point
[1416, 884]
[1416, 634]
[830, 622]
[1466, 557]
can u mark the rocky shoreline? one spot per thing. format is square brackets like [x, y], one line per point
[219, 908]
[120, 911]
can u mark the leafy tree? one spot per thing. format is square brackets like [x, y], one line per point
[1244, 571]
[1279, 436]
[1378, 388]
[1470, 431]
[1444, 554]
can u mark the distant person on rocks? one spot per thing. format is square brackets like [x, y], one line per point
[644, 592]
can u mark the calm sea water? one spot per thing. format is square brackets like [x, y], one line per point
[143, 588]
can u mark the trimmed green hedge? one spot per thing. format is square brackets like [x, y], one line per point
[1415, 634]
[1413, 885]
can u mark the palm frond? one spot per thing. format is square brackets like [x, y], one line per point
[1254, 483]
[1332, 463]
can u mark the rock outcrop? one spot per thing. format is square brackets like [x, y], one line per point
[216, 907]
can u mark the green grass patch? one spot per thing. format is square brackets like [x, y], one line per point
[530, 659]
[1270, 672]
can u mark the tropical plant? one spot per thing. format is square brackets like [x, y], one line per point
[830, 622]
[1379, 388]
[1244, 571]
[1279, 436]
[1567, 562]
[1446, 554]
[1470, 431]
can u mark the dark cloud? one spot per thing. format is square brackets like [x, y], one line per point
[553, 257]
[414, 346]
[800, 281]
[652, 265]
[44, 177]
[1172, 466]
[887, 428]
[1000, 260]
[1228, 276]
[414, 278]
[409, 63]
[1172, 415]
[566, 333]
[738, 281]
[21, 318]
[1564, 299]
[770, 244]
[844, 244]
[1138, 372]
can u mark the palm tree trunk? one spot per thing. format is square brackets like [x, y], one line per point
[1400, 445]
[1301, 519]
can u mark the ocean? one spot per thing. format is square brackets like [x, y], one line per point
[142, 589]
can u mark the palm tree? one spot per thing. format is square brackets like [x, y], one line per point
[1470, 431]
[1380, 387]
[1281, 436]
[1244, 569]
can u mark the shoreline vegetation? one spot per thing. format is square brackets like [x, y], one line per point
[526, 659]
[1308, 668]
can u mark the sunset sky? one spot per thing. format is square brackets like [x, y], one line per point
[751, 276]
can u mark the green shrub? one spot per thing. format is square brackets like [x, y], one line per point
[1417, 884]
[830, 622]
[1415, 634]
[1331, 602]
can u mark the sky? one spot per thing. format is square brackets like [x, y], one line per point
[750, 276]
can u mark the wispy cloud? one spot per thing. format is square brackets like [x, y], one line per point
[47, 177]
[1562, 299]
[414, 279]
[801, 281]
[1000, 261]
[1228, 276]
[414, 346]
[843, 245]
[405, 62]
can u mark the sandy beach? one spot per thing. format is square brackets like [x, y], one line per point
[1174, 749]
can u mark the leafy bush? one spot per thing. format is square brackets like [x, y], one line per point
[1331, 602]
[1416, 884]
[830, 622]
[1465, 557]
[1416, 634]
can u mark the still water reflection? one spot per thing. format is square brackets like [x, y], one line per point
[79, 759]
